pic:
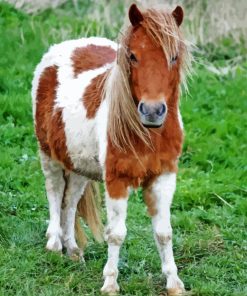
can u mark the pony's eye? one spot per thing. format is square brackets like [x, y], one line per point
[133, 58]
[173, 59]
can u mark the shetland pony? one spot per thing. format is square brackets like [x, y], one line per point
[107, 111]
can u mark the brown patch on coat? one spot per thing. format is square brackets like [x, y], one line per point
[49, 125]
[150, 202]
[93, 95]
[57, 140]
[44, 105]
[91, 57]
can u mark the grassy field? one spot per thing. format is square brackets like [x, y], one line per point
[210, 205]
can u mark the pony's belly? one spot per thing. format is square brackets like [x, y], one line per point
[90, 168]
[86, 162]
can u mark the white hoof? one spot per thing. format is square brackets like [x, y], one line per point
[73, 251]
[176, 288]
[75, 254]
[175, 292]
[110, 286]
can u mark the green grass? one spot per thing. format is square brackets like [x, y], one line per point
[210, 205]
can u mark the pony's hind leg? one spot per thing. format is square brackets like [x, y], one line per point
[54, 183]
[75, 187]
[158, 198]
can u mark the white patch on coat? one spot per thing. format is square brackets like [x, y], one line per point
[101, 124]
[180, 120]
[116, 216]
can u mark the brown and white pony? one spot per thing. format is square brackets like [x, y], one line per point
[107, 111]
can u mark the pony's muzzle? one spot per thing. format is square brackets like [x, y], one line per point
[152, 115]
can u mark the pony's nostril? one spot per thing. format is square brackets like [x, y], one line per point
[143, 109]
[161, 110]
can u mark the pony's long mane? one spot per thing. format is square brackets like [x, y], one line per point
[124, 124]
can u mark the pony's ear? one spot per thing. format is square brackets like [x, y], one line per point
[178, 14]
[135, 15]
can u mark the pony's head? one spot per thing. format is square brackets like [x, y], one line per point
[143, 86]
[153, 53]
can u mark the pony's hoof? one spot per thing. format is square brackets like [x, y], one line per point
[110, 287]
[76, 254]
[176, 291]
[177, 288]
[54, 244]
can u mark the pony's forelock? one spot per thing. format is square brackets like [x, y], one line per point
[124, 124]
[161, 26]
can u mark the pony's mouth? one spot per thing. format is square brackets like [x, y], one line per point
[152, 126]
[152, 121]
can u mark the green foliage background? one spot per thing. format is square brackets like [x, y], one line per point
[210, 206]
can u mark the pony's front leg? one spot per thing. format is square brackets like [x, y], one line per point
[159, 198]
[114, 234]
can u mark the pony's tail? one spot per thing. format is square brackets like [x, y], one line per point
[88, 209]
